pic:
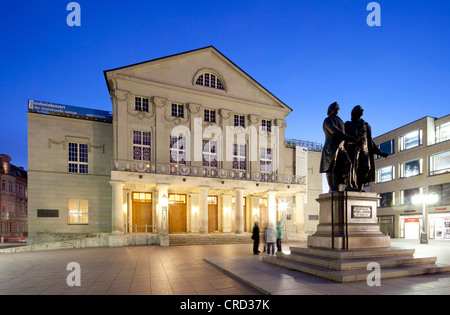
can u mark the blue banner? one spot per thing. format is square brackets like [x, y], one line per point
[67, 110]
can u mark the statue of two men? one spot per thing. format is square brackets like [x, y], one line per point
[347, 156]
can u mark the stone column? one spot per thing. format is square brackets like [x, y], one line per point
[117, 207]
[203, 210]
[162, 215]
[239, 211]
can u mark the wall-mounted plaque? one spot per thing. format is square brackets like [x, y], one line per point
[362, 212]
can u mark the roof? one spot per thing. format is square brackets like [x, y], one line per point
[196, 50]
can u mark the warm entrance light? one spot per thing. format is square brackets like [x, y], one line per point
[164, 201]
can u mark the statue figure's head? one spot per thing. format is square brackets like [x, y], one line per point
[357, 112]
[333, 109]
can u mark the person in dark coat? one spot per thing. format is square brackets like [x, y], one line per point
[335, 160]
[361, 151]
[255, 238]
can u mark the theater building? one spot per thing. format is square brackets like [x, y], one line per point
[419, 164]
[194, 145]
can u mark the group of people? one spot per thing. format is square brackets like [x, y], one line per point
[271, 236]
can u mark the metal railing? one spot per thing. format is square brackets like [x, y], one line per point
[140, 229]
[208, 172]
[312, 146]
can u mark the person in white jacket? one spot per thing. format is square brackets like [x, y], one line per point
[271, 238]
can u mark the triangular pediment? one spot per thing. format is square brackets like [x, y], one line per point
[180, 72]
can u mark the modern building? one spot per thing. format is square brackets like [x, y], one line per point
[13, 200]
[419, 164]
[194, 145]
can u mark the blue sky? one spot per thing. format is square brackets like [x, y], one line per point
[308, 53]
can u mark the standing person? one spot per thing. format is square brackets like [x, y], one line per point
[271, 237]
[264, 238]
[255, 238]
[279, 236]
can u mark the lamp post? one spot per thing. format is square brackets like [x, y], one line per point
[424, 199]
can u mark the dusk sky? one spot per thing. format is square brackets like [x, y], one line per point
[308, 53]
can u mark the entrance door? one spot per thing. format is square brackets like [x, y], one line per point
[213, 214]
[177, 213]
[142, 218]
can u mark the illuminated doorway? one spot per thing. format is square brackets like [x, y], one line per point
[142, 217]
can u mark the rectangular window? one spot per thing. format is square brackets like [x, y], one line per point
[239, 152]
[209, 153]
[443, 193]
[385, 174]
[407, 194]
[177, 198]
[265, 160]
[210, 116]
[410, 168]
[443, 132]
[78, 212]
[141, 104]
[439, 163]
[387, 147]
[177, 150]
[387, 199]
[178, 110]
[266, 125]
[78, 158]
[411, 140]
[141, 145]
[142, 197]
[239, 120]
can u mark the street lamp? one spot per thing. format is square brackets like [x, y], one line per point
[424, 199]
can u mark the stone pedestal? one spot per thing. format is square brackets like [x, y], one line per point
[348, 220]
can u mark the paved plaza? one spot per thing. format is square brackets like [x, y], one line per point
[192, 270]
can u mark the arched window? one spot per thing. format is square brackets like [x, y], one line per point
[210, 80]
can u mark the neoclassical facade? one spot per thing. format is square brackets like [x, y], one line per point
[194, 145]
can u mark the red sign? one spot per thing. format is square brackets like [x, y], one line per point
[411, 220]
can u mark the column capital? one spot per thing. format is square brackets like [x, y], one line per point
[203, 188]
[117, 183]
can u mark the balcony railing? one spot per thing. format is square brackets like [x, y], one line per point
[207, 172]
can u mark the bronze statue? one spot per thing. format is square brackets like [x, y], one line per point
[361, 151]
[335, 160]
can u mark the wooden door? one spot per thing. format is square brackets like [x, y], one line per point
[142, 216]
[213, 214]
[177, 213]
[142, 213]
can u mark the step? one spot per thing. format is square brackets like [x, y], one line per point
[357, 263]
[209, 239]
[351, 254]
[356, 275]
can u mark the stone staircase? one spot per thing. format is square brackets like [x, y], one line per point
[209, 239]
[351, 265]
